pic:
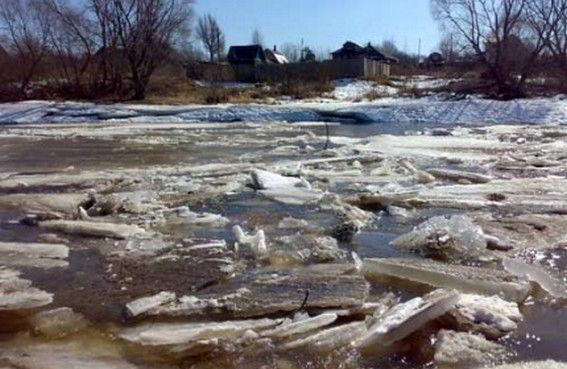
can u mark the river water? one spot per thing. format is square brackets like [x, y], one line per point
[87, 287]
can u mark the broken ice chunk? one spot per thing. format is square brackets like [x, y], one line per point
[257, 242]
[175, 334]
[92, 229]
[398, 213]
[191, 217]
[18, 294]
[59, 203]
[58, 322]
[406, 318]
[489, 315]
[292, 223]
[299, 248]
[144, 304]
[329, 339]
[457, 349]
[331, 286]
[302, 326]
[65, 354]
[462, 278]
[550, 283]
[287, 190]
[548, 364]
[380, 201]
[34, 254]
[455, 239]
[458, 175]
[264, 180]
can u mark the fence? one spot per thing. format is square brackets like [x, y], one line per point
[273, 73]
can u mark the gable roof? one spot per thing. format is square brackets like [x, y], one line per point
[349, 47]
[373, 53]
[246, 54]
[352, 49]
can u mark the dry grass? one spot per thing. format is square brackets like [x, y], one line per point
[373, 95]
[180, 90]
[299, 89]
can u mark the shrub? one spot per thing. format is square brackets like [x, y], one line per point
[216, 95]
[372, 95]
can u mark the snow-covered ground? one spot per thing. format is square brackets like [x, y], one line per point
[234, 85]
[350, 90]
[430, 110]
[422, 82]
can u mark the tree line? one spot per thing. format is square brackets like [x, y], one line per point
[95, 47]
[100, 48]
[510, 38]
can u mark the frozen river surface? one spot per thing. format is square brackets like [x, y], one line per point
[244, 237]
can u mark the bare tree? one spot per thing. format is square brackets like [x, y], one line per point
[71, 40]
[144, 32]
[548, 18]
[448, 47]
[558, 37]
[389, 47]
[257, 38]
[497, 32]
[291, 51]
[27, 30]
[211, 36]
[191, 53]
[322, 54]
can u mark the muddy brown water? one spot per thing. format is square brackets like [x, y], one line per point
[87, 286]
[20, 154]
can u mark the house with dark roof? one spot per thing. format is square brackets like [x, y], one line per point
[246, 55]
[252, 63]
[434, 60]
[351, 50]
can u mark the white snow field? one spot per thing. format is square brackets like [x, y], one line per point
[349, 90]
[430, 110]
[422, 82]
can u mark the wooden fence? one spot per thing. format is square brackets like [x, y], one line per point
[274, 73]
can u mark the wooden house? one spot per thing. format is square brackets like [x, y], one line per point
[351, 50]
[246, 55]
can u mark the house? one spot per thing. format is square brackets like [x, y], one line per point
[273, 56]
[252, 63]
[511, 51]
[434, 60]
[246, 55]
[307, 56]
[351, 50]
[356, 61]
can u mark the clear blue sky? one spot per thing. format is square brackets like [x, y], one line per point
[326, 24]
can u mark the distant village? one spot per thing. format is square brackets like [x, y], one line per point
[57, 49]
[253, 63]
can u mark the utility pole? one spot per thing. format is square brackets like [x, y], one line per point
[451, 55]
[419, 51]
